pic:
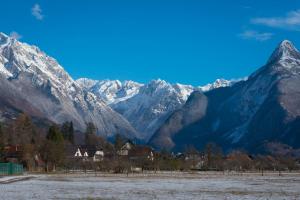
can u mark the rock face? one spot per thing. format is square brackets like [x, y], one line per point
[264, 108]
[110, 91]
[33, 82]
[145, 106]
[217, 84]
[152, 105]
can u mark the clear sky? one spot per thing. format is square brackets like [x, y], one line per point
[191, 42]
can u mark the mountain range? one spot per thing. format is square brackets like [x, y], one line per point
[245, 113]
[264, 108]
[35, 83]
[145, 106]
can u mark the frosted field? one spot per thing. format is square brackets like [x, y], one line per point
[170, 186]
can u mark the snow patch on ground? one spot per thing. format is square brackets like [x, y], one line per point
[195, 186]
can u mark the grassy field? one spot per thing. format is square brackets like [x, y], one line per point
[204, 185]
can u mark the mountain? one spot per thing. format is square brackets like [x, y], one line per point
[145, 106]
[33, 82]
[115, 91]
[217, 84]
[264, 108]
[154, 102]
[110, 91]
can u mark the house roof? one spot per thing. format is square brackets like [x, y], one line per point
[127, 146]
[140, 151]
[12, 151]
[90, 149]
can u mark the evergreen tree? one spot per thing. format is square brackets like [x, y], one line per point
[55, 135]
[90, 134]
[67, 131]
[52, 151]
[71, 133]
[91, 129]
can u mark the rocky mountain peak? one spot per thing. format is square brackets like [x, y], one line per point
[158, 82]
[263, 108]
[286, 45]
[285, 50]
[110, 91]
[217, 84]
[48, 91]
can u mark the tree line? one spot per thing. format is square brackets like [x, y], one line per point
[50, 146]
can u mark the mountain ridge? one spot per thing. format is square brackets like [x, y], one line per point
[145, 106]
[49, 90]
[263, 108]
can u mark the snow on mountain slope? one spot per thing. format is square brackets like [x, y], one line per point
[149, 108]
[217, 84]
[264, 108]
[46, 88]
[145, 106]
[111, 91]
[115, 91]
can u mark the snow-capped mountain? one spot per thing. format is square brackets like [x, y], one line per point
[148, 109]
[264, 108]
[115, 91]
[217, 84]
[110, 91]
[35, 83]
[145, 106]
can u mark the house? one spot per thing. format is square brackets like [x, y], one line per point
[39, 163]
[124, 151]
[141, 153]
[86, 153]
[196, 159]
[12, 153]
[98, 155]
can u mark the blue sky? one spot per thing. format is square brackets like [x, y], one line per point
[191, 42]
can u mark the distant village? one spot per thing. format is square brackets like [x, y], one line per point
[54, 149]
